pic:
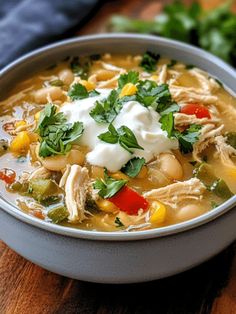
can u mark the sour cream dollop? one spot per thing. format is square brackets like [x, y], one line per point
[143, 122]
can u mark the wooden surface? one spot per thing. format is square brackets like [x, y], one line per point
[210, 288]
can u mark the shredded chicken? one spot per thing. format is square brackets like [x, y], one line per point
[208, 133]
[173, 194]
[75, 182]
[224, 150]
[40, 173]
[163, 75]
[228, 110]
[110, 67]
[182, 119]
[208, 84]
[191, 95]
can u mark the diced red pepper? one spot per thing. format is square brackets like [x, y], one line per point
[129, 201]
[7, 175]
[195, 109]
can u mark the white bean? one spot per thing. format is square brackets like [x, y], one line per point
[59, 162]
[42, 94]
[170, 165]
[189, 212]
[66, 76]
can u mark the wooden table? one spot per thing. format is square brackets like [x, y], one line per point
[209, 288]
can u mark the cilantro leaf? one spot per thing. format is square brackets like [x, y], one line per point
[78, 91]
[157, 96]
[111, 136]
[124, 136]
[127, 139]
[167, 123]
[73, 133]
[79, 68]
[172, 63]
[57, 136]
[149, 61]
[106, 109]
[188, 138]
[133, 167]
[108, 186]
[130, 77]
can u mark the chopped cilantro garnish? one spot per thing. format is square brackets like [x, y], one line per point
[79, 68]
[108, 186]
[149, 61]
[214, 204]
[171, 64]
[56, 135]
[133, 167]
[157, 96]
[189, 66]
[167, 123]
[130, 77]
[124, 136]
[106, 110]
[78, 91]
[188, 138]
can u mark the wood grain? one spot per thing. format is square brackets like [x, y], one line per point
[210, 288]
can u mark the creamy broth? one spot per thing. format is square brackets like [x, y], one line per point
[22, 110]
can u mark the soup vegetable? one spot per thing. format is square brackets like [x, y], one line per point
[118, 143]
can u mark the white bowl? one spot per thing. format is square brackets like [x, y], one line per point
[118, 257]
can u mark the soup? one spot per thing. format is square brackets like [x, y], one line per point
[118, 143]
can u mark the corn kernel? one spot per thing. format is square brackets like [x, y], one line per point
[106, 206]
[119, 176]
[88, 85]
[19, 123]
[128, 90]
[154, 78]
[158, 212]
[37, 115]
[33, 137]
[20, 144]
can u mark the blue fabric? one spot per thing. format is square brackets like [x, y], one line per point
[28, 24]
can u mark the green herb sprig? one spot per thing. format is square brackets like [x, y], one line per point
[212, 30]
[57, 136]
[123, 135]
[108, 186]
[78, 91]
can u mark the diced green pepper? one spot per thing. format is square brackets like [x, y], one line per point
[58, 214]
[231, 139]
[19, 187]
[91, 206]
[58, 83]
[40, 189]
[220, 188]
[204, 173]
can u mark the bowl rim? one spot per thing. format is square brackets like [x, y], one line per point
[119, 235]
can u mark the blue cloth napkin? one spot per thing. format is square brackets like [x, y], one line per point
[28, 24]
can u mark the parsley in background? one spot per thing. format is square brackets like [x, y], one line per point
[212, 30]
